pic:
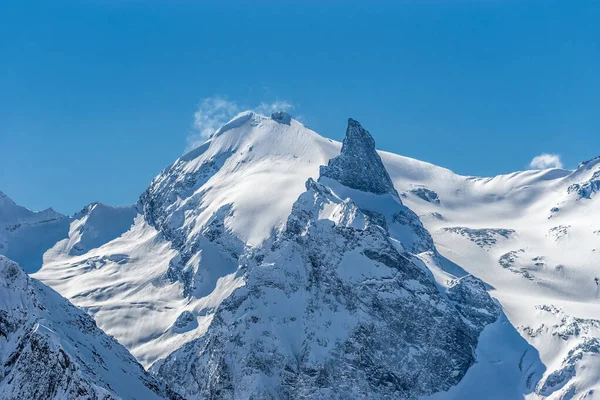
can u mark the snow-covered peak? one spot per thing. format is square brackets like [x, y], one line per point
[359, 166]
[25, 235]
[531, 235]
[92, 227]
[11, 213]
[11, 275]
[252, 162]
[238, 121]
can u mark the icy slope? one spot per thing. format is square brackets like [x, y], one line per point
[335, 306]
[50, 349]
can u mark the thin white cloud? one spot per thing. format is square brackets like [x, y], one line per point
[269, 108]
[214, 112]
[545, 161]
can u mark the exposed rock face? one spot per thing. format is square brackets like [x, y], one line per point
[485, 238]
[281, 117]
[471, 298]
[426, 194]
[50, 349]
[359, 166]
[578, 340]
[585, 190]
[159, 204]
[333, 306]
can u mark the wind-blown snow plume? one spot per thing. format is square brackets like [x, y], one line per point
[214, 112]
[270, 108]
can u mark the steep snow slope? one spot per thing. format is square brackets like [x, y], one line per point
[252, 163]
[531, 235]
[50, 349]
[124, 285]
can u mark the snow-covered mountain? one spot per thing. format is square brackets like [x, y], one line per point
[167, 270]
[197, 218]
[336, 306]
[50, 349]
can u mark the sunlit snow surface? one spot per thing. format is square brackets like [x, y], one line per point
[532, 236]
[50, 349]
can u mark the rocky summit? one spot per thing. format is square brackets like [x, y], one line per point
[359, 166]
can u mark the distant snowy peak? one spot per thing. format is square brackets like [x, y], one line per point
[25, 235]
[50, 349]
[30, 237]
[13, 214]
[359, 166]
[93, 226]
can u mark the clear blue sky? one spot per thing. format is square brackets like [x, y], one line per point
[97, 96]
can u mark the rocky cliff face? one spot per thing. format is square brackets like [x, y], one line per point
[50, 349]
[334, 306]
[359, 166]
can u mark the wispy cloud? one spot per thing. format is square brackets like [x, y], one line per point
[270, 108]
[214, 112]
[544, 161]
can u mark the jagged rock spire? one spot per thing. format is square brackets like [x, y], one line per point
[359, 166]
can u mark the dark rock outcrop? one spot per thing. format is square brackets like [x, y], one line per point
[359, 166]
